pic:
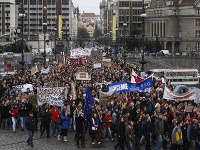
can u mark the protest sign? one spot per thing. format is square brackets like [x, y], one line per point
[83, 76]
[46, 95]
[81, 69]
[107, 62]
[45, 70]
[97, 65]
[34, 70]
[23, 88]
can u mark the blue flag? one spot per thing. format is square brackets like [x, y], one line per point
[89, 100]
[147, 83]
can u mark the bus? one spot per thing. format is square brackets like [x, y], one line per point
[183, 76]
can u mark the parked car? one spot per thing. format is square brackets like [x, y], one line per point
[185, 54]
[178, 54]
[160, 53]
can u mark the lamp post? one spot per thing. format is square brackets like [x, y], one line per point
[124, 55]
[55, 30]
[44, 29]
[22, 15]
[143, 15]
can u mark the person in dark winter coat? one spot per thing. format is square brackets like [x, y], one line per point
[23, 113]
[192, 134]
[137, 127]
[45, 120]
[80, 129]
[5, 115]
[147, 130]
[121, 128]
[30, 126]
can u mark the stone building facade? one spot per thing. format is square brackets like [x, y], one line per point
[175, 23]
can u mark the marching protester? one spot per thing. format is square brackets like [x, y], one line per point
[14, 113]
[30, 126]
[177, 136]
[55, 113]
[64, 124]
[45, 121]
[80, 130]
[94, 129]
[23, 113]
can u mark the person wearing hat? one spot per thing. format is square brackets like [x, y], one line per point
[30, 126]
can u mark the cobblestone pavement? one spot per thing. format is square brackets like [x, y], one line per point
[17, 141]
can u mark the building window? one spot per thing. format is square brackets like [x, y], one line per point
[174, 12]
[198, 11]
[198, 46]
[198, 22]
[197, 34]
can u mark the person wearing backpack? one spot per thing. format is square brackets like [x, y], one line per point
[177, 137]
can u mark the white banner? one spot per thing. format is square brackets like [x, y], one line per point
[170, 95]
[107, 94]
[47, 95]
[97, 65]
[23, 87]
[83, 76]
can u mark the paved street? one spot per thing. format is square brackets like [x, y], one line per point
[17, 141]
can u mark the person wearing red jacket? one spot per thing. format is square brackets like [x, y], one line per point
[108, 123]
[14, 113]
[55, 113]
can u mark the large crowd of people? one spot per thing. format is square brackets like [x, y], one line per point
[129, 118]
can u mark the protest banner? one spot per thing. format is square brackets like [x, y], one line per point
[79, 61]
[83, 76]
[47, 95]
[124, 86]
[170, 95]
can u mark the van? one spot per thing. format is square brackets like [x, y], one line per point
[166, 52]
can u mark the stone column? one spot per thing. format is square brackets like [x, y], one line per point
[173, 50]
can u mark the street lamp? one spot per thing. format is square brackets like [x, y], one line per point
[44, 29]
[124, 55]
[22, 15]
[143, 15]
[55, 30]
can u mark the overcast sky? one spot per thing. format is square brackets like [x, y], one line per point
[89, 6]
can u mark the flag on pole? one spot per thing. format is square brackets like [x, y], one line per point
[135, 78]
[89, 100]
